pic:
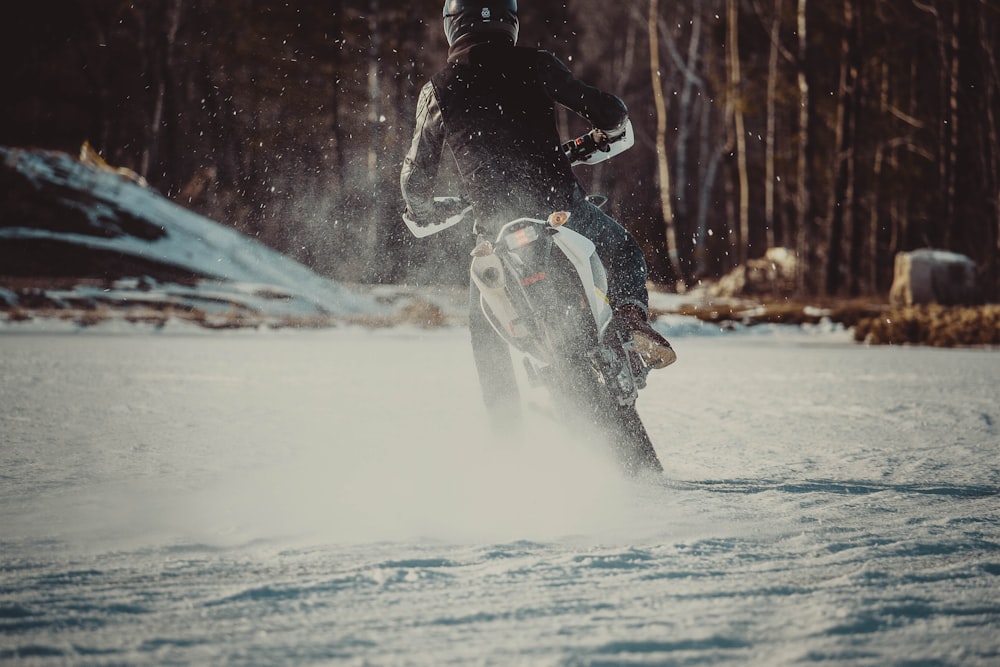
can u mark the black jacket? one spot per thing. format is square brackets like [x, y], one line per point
[494, 106]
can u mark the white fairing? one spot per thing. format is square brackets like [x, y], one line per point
[488, 274]
[583, 254]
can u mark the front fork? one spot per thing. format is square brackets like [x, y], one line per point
[623, 366]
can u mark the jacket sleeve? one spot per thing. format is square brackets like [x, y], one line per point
[603, 110]
[420, 166]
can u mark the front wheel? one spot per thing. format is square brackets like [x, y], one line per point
[578, 380]
[635, 449]
[618, 425]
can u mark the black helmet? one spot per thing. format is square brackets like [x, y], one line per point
[465, 17]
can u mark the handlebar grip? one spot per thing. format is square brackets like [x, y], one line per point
[580, 148]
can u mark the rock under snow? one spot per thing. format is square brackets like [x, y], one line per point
[933, 276]
[63, 218]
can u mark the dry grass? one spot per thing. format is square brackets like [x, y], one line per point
[90, 316]
[784, 311]
[424, 314]
[938, 326]
[873, 323]
[18, 314]
[418, 313]
[34, 303]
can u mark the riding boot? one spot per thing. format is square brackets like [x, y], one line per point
[654, 348]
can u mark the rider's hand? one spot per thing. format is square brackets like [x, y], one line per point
[604, 138]
[601, 139]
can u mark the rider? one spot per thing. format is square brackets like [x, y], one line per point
[493, 105]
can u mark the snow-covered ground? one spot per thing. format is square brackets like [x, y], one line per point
[330, 497]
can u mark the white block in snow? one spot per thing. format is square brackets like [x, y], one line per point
[933, 276]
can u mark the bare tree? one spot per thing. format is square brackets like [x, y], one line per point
[840, 205]
[776, 53]
[375, 228]
[693, 94]
[987, 43]
[734, 104]
[947, 38]
[663, 166]
[336, 115]
[803, 200]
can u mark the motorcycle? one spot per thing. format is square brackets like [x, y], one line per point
[543, 289]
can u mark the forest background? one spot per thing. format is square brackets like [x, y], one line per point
[846, 130]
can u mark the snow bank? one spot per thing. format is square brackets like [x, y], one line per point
[56, 200]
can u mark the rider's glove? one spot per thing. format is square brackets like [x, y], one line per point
[601, 139]
[604, 138]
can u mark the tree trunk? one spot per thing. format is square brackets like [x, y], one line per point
[167, 93]
[992, 150]
[953, 71]
[841, 206]
[805, 247]
[336, 124]
[684, 124]
[663, 168]
[874, 220]
[734, 98]
[373, 260]
[97, 25]
[770, 129]
[688, 66]
[947, 157]
[834, 210]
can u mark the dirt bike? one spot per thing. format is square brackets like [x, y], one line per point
[543, 289]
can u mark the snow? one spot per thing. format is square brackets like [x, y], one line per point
[940, 256]
[331, 497]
